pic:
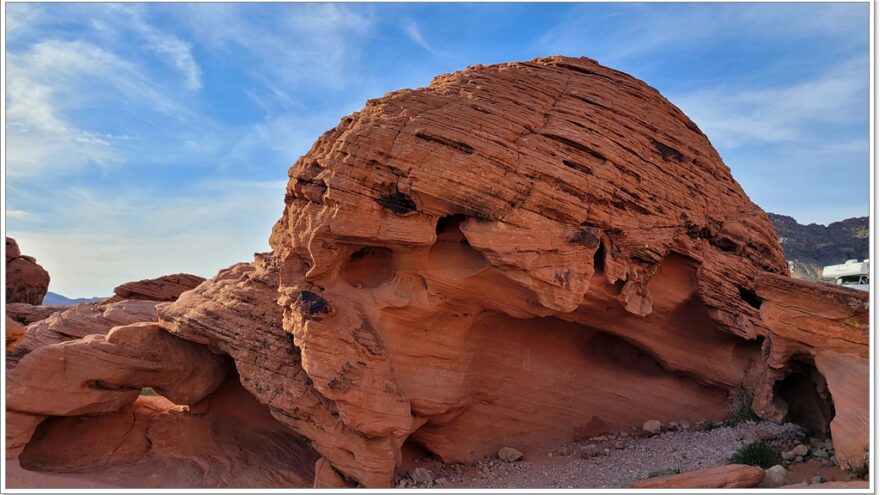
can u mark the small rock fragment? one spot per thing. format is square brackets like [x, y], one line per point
[775, 476]
[588, 451]
[422, 475]
[801, 450]
[509, 454]
[652, 426]
[765, 434]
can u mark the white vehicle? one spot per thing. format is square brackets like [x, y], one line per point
[853, 274]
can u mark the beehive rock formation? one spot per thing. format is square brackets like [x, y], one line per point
[26, 281]
[517, 254]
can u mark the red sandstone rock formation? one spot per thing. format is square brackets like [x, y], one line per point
[79, 321]
[516, 254]
[26, 281]
[817, 361]
[26, 314]
[730, 476]
[165, 288]
[226, 440]
[554, 222]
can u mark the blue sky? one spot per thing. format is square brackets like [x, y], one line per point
[145, 139]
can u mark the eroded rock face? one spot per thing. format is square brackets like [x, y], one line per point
[102, 373]
[79, 321]
[227, 440]
[165, 288]
[26, 281]
[816, 371]
[448, 253]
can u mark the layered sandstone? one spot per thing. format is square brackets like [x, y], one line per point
[519, 253]
[164, 288]
[26, 281]
[816, 368]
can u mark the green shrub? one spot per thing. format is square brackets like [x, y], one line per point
[148, 391]
[741, 407]
[757, 454]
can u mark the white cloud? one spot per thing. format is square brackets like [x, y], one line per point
[737, 117]
[52, 88]
[663, 27]
[412, 31]
[293, 44]
[178, 53]
[16, 214]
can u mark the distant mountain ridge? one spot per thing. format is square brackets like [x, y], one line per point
[54, 298]
[811, 247]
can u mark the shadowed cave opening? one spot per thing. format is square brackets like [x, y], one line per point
[750, 297]
[806, 393]
[203, 446]
[540, 381]
[369, 267]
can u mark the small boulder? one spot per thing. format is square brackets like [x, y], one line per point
[788, 455]
[801, 450]
[509, 454]
[819, 453]
[799, 458]
[588, 451]
[652, 426]
[765, 434]
[816, 480]
[684, 425]
[421, 475]
[775, 476]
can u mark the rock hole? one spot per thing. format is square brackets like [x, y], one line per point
[369, 267]
[398, 202]
[599, 259]
[750, 297]
[452, 252]
[806, 393]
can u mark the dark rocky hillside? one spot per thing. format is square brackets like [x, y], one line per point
[811, 247]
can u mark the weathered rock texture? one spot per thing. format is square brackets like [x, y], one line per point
[817, 361]
[26, 314]
[26, 281]
[517, 254]
[731, 476]
[165, 288]
[80, 321]
[226, 440]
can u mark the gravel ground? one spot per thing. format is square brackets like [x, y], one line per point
[611, 460]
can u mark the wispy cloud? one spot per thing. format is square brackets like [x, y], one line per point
[412, 31]
[17, 214]
[656, 27]
[800, 112]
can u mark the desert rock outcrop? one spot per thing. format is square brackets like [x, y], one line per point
[26, 281]
[448, 253]
[164, 288]
[816, 370]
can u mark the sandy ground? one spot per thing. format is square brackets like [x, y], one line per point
[621, 458]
